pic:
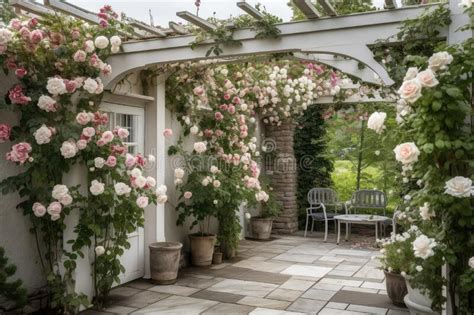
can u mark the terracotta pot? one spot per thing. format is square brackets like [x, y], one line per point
[202, 248]
[164, 261]
[396, 287]
[217, 258]
[261, 228]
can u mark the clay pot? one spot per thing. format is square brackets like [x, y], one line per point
[217, 258]
[396, 287]
[164, 261]
[202, 249]
[261, 228]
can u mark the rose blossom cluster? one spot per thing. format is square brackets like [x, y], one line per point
[376, 122]
[105, 15]
[20, 153]
[62, 198]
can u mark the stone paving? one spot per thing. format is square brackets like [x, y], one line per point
[288, 275]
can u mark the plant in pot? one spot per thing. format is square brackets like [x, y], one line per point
[261, 226]
[403, 258]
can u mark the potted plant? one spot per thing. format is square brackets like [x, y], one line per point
[261, 226]
[403, 258]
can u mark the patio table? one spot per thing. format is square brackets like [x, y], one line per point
[367, 219]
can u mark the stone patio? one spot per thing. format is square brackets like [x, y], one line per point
[288, 275]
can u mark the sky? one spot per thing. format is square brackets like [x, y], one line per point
[164, 11]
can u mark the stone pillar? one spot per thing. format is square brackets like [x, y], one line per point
[282, 171]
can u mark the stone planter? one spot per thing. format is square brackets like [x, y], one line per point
[417, 302]
[261, 227]
[202, 249]
[217, 258]
[164, 261]
[396, 287]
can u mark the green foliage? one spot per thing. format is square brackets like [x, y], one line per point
[6, 12]
[221, 36]
[11, 290]
[313, 163]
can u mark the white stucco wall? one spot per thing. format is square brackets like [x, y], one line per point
[15, 236]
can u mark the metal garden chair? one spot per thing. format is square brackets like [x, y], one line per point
[319, 200]
[370, 199]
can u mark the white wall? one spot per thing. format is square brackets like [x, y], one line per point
[15, 236]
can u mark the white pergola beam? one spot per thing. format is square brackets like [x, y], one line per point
[354, 99]
[178, 28]
[247, 8]
[73, 10]
[196, 20]
[390, 4]
[308, 9]
[328, 8]
[30, 6]
[347, 36]
[147, 28]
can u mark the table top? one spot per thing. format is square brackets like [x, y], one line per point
[361, 217]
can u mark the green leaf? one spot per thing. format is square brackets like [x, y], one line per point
[436, 105]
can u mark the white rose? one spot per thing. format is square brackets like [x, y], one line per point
[427, 78]
[97, 188]
[115, 41]
[194, 130]
[101, 42]
[161, 199]
[122, 189]
[142, 202]
[216, 183]
[91, 85]
[411, 73]
[425, 212]
[376, 122]
[161, 190]
[140, 181]
[459, 187]
[200, 147]
[5, 36]
[150, 181]
[248, 216]
[47, 103]
[66, 200]
[99, 251]
[261, 196]
[99, 162]
[439, 60]
[115, 49]
[38, 209]
[59, 191]
[423, 246]
[214, 169]
[56, 86]
[179, 173]
[136, 172]
[410, 90]
[205, 181]
[471, 262]
[43, 135]
[406, 153]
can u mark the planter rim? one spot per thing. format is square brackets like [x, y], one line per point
[165, 245]
[261, 219]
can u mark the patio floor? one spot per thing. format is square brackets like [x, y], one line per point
[288, 275]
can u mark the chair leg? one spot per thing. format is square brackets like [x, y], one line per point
[335, 226]
[325, 230]
[306, 227]
[312, 227]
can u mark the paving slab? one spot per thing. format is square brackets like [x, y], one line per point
[265, 303]
[226, 308]
[296, 284]
[247, 288]
[307, 306]
[306, 270]
[217, 296]
[174, 289]
[177, 305]
[284, 295]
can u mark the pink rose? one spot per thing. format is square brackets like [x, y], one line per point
[218, 116]
[236, 100]
[19, 153]
[188, 195]
[122, 133]
[223, 107]
[32, 23]
[17, 97]
[198, 91]
[226, 96]
[111, 161]
[15, 24]
[406, 153]
[3, 48]
[25, 33]
[83, 118]
[81, 144]
[55, 208]
[140, 160]
[167, 132]
[75, 33]
[410, 90]
[36, 36]
[79, 56]
[142, 202]
[103, 23]
[219, 133]
[129, 160]
[38, 209]
[5, 131]
[119, 149]
[231, 109]
[88, 132]
[107, 136]
[20, 72]
[427, 78]
[100, 118]
[208, 133]
[70, 86]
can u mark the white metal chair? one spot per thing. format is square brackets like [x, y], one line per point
[371, 199]
[319, 200]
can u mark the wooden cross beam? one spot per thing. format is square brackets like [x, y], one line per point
[178, 28]
[196, 20]
[308, 9]
[30, 6]
[247, 8]
[390, 4]
[147, 28]
[327, 7]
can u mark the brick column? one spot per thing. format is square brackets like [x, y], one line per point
[281, 169]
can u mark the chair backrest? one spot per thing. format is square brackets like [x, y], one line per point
[369, 199]
[326, 196]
